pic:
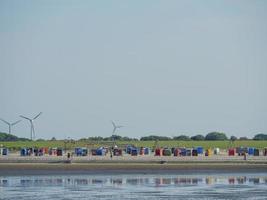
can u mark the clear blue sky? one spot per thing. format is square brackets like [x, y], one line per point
[156, 67]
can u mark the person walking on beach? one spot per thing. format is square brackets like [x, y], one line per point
[111, 151]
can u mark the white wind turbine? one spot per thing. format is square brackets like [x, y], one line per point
[10, 124]
[31, 122]
[115, 127]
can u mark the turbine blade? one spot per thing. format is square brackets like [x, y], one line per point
[25, 117]
[114, 125]
[37, 115]
[15, 122]
[5, 121]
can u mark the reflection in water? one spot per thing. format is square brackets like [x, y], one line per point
[254, 180]
[98, 181]
[210, 180]
[81, 181]
[133, 181]
[3, 182]
[223, 186]
[116, 181]
[231, 180]
[241, 180]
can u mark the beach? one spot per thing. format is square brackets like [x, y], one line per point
[16, 165]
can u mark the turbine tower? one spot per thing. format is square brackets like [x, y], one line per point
[115, 127]
[32, 125]
[10, 124]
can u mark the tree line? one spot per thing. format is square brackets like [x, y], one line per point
[209, 136]
[10, 137]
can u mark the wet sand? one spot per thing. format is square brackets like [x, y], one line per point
[7, 169]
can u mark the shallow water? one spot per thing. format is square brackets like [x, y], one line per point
[135, 186]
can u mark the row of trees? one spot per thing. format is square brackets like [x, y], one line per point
[209, 136]
[113, 137]
[10, 137]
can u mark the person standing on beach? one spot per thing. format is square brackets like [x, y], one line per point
[245, 156]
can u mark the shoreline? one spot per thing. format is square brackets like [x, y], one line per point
[16, 169]
[16, 165]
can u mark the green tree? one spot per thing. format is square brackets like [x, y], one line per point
[216, 136]
[260, 136]
[181, 137]
[198, 137]
[155, 137]
[113, 137]
[233, 138]
[10, 137]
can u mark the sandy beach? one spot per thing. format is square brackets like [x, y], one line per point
[131, 159]
[16, 165]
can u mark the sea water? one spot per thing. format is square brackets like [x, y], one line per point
[135, 186]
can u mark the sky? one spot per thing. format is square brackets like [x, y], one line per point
[156, 67]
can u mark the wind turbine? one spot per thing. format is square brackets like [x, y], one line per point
[31, 122]
[10, 124]
[115, 127]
